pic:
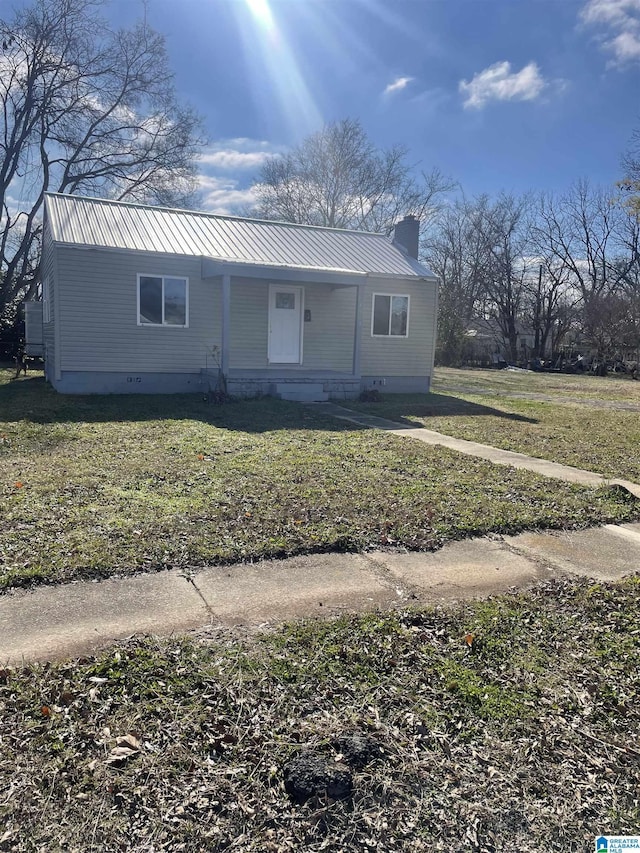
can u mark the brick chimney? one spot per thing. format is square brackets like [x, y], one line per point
[406, 234]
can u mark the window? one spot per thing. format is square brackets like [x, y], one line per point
[390, 316]
[162, 300]
[286, 300]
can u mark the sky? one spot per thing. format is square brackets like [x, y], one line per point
[510, 95]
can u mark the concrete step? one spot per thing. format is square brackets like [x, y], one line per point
[304, 396]
[313, 387]
[302, 392]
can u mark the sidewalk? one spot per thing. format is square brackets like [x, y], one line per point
[79, 618]
[474, 448]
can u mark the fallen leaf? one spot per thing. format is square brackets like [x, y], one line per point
[119, 754]
[129, 740]
[126, 746]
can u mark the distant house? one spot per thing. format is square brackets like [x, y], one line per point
[150, 300]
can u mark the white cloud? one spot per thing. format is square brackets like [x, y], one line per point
[237, 154]
[398, 85]
[498, 83]
[226, 167]
[228, 158]
[224, 195]
[618, 23]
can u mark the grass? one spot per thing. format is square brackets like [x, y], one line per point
[508, 724]
[96, 486]
[615, 387]
[583, 434]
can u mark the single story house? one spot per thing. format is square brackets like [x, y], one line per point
[145, 299]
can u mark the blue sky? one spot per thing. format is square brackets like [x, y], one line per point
[499, 94]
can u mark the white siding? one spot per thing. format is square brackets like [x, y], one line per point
[48, 272]
[249, 321]
[97, 300]
[328, 336]
[396, 356]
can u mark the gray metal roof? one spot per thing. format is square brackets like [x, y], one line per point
[119, 225]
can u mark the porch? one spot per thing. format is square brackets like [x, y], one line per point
[298, 384]
[290, 333]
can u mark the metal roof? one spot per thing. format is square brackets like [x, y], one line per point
[120, 225]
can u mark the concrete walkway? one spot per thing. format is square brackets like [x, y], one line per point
[474, 448]
[79, 618]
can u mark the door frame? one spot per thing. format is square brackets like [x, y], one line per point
[286, 288]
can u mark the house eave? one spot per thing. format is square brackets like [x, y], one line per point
[213, 267]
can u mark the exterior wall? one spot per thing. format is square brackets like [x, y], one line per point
[128, 382]
[397, 384]
[48, 272]
[94, 344]
[98, 320]
[327, 337]
[396, 364]
[33, 328]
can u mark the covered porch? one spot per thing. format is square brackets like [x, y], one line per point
[287, 332]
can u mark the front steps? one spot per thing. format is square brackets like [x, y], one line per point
[301, 392]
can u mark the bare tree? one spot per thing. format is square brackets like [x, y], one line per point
[83, 110]
[582, 231]
[630, 184]
[503, 238]
[338, 178]
[455, 251]
[552, 298]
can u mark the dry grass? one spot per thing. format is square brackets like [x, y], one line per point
[506, 725]
[564, 422]
[96, 486]
[615, 387]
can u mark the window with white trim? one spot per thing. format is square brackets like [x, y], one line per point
[163, 300]
[390, 315]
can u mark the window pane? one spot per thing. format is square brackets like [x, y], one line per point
[285, 300]
[381, 315]
[175, 302]
[150, 299]
[399, 311]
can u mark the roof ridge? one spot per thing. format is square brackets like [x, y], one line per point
[135, 204]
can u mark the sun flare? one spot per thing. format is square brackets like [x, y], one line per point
[261, 12]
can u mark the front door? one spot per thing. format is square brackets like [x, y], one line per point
[285, 324]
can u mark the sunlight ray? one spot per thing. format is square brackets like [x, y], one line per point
[272, 63]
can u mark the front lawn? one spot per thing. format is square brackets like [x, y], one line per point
[505, 725]
[586, 435]
[95, 486]
[577, 386]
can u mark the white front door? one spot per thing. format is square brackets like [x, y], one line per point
[285, 324]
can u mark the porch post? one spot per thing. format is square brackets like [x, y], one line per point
[357, 333]
[226, 323]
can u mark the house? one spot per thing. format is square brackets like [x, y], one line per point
[153, 300]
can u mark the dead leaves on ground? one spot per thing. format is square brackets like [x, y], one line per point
[126, 747]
